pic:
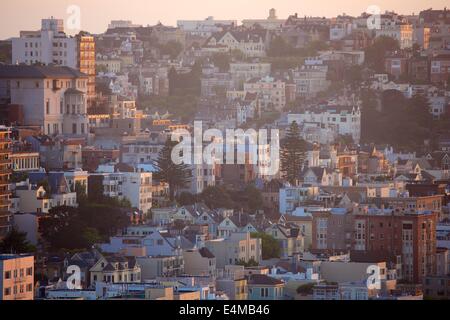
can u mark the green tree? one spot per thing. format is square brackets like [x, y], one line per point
[176, 175]
[353, 76]
[254, 196]
[91, 236]
[292, 153]
[222, 61]
[185, 83]
[248, 264]
[73, 228]
[186, 198]
[306, 289]
[62, 228]
[106, 219]
[314, 46]
[217, 197]
[81, 192]
[280, 48]
[249, 199]
[392, 118]
[270, 246]
[376, 53]
[171, 48]
[100, 68]
[237, 54]
[16, 242]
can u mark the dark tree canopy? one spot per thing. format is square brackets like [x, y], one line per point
[16, 242]
[270, 246]
[376, 53]
[176, 175]
[293, 150]
[396, 120]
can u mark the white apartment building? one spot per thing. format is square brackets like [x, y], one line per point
[30, 198]
[271, 23]
[242, 71]
[251, 43]
[25, 161]
[340, 29]
[402, 32]
[203, 176]
[110, 65]
[291, 197]
[122, 24]
[133, 186]
[240, 246]
[438, 105]
[53, 98]
[206, 27]
[346, 119]
[309, 80]
[137, 153]
[46, 46]
[271, 92]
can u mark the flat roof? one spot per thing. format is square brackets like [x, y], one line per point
[14, 256]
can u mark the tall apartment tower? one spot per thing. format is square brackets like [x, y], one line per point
[408, 239]
[86, 62]
[50, 45]
[5, 170]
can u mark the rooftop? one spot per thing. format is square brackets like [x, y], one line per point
[4, 257]
[38, 72]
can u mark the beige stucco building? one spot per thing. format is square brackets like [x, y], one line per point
[239, 247]
[199, 262]
[16, 277]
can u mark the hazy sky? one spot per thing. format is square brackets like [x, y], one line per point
[19, 15]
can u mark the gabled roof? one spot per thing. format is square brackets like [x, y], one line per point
[319, 172]
[289, 230]
[73, 91]
[109, 267]
[241, 220]
[198, 209]
[242, 35]
[38, 72]
[205, 253]
[262, 279]
[56, 180]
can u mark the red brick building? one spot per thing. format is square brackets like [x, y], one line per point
[440, 69]
[396, 65]
[384, 234]
[93, 157]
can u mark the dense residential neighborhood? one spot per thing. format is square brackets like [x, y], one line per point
[93, 206]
